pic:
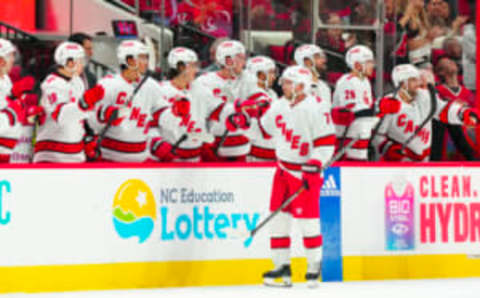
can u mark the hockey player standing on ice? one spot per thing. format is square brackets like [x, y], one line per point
[61, 132]
[209, 91]
[304, 140]
[183, 64]
[415, 107]
[126, 140]
[260, 74]
[312, 57]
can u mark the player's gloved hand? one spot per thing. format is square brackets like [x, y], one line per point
[342, 116]
[116, 114]
[237, 121]
[33, 113]
[162, 150]
[181, 107]
[470, 117]
[23, 85]
[91, 97]
[91, 148]
[394, 152]
[311, 174]
[388, 106]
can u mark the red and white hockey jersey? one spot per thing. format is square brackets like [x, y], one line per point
[301, 132]
[355, 94]
[462, 94]
[212, 103]
[322, 90]
[262, 146]
[127, 142]
[60, 138]
[397, 128]
[173, 128]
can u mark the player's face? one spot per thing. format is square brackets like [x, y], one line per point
[272, 75]
[79, 66]
[142, 61]
[239, 63]
[191, 71]
[413, 84]
[9, 62]
[320, 62]
[287, 88]
[369, 68]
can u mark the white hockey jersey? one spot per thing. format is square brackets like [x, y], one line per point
[60, 138]
[212, 103]
[173, 128]
[262, 146]
[301, 132]
[5, 90]
[322, 90]
[127, 142]
[398, 128]
[355, 94]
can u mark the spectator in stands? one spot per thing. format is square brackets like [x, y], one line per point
[419, 32]
[469, 57]
[88, 77]
[450, 89]
[453, 50]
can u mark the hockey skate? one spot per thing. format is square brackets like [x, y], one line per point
[313, 275]
[279, 277]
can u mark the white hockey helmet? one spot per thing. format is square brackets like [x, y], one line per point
[6, 48]
[403, 72]
[298, 75]
[228, 48]
[360, 54]
[130, 48]
[307, 51]
[181, 54]
[68, 51]
[260, 64]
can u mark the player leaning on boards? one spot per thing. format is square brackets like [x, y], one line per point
[132, 96]
[399, 137]
[61, 132]
[304, 138]
[183, 64]
[261, 73]
[354, 93]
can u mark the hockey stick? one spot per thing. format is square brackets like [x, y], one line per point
[290, 199]
[114, 115]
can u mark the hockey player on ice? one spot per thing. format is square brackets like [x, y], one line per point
[304, 139]
[312, 57]
[61, 132]
[415, 106]
[183, 64]
[260, 76]
[212, 89]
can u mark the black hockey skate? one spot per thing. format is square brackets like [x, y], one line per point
[313, 277]
[280, 277]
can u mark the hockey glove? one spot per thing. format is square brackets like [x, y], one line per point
[311, 174]
[91, 97]
[237, 121]
[91, 149]
[388, 106]
[117, 114]
[470, 117]
[394, 152]
[342, 116]
[23, 85]
[162, 150]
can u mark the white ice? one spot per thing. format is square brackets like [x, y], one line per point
[438, 288]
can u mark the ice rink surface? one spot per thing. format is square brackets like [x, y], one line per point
[438, 288]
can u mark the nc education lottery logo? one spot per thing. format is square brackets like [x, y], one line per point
[399, 215]
[134, 210]
[183, 213]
